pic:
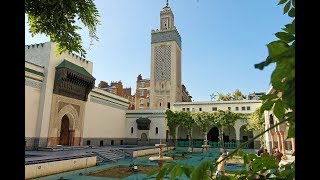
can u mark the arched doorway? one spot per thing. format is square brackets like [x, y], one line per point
[65, 132]
[213, 134]
[229, 134]
[245, 135]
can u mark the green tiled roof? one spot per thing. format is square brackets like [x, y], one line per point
[74, 67]
[141, 119]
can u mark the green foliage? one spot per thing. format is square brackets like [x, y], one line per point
[282, 53]
[204, 171]
[222, 97]
[236, 95]
[187, 122]
[204, 120]
[56, 19]
[223, 119]
[173, 121]
[256, 122]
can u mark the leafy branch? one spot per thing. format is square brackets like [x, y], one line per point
[56, 19]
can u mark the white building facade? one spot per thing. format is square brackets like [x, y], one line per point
[63, 107]
[237, 133]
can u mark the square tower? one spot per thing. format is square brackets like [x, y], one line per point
[165, 77]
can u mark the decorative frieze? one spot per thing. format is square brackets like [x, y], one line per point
[163, 36]
[33, 83]
[107, 103]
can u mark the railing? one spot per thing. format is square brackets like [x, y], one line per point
[199, 143]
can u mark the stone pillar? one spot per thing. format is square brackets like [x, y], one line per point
[279, 141]
[238, 138]
[283, 145]
[293, 145]
[272, 140]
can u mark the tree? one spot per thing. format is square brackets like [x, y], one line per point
[237, 95]
[213, 97]
[56, 19]
[225, 119]
[257, 122]
[222, 97]
[173, 121]
[187, 122]
[204, 120]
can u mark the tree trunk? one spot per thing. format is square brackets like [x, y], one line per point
[221, 138]
[190, 140]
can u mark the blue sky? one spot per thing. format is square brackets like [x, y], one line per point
[221, 42]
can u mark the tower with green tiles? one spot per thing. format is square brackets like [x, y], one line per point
[165, 77]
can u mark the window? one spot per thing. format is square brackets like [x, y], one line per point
[142, 84]
[101, 143]
[121, 142]
[141, 92]
[131, 130]
[229, 108]
[214, 108]
[112, 142]
[237, 108]
[88, 142]
[148, 104]
[188, 109]
[183, 109]
[141, 101]
[200, 109]
[168, 105]
[162, 85]
[160, 104]
[157, 130]
[243, 108]
[248, 108]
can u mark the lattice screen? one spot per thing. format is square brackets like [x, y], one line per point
[162, 63]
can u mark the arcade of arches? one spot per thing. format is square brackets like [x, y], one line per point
[236, 134]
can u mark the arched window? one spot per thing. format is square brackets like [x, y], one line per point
[131, 130]
[157, 130]
[160, 104]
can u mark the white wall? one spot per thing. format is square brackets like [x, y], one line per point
[103, 120]
[223, 105]
[157, 118]
[49, 168]
[32, 97]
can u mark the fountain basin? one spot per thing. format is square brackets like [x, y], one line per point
[164, 158]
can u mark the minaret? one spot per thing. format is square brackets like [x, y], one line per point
[165, 77]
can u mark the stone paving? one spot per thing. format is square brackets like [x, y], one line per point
[49, 155]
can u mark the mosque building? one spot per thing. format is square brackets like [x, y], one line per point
[63, 107]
